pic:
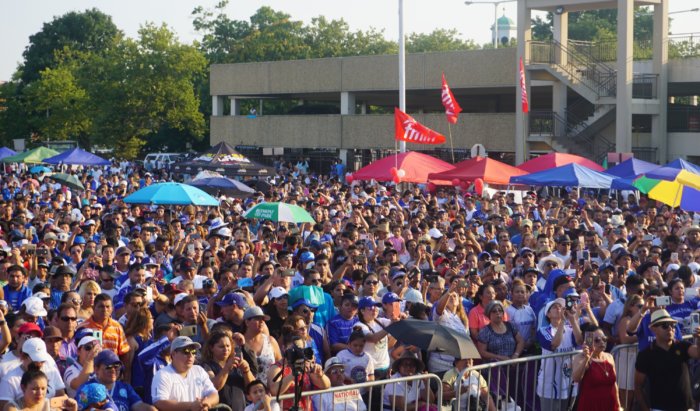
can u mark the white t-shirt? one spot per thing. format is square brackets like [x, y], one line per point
[169, 385]
[409, 391]
[69, 375]
[350, 400]
[379, 351]
[274, 406]
[9, 362]
[198, 281]
[357, 367]
[10, 385]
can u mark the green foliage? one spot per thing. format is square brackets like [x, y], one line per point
[594, 25]
[90, 30]
[438, 40]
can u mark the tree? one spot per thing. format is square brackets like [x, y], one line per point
[438, 40]
[595, 25]
[90, 30]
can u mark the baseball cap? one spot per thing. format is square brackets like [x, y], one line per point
[398, 274]
[27, 328]
[389, 298]
[186, 264]
[366, 302]
[549, 305]
[87, 340]
[179, 298]
[333, 362]
[91, 394]
[34, 306]
[277, 292]
[183, 342]
[304, 301]
[106, 357]
[307, 256]
[231, 299]
[51, 332]
[35, 348]
[123, 250]
[254, 312]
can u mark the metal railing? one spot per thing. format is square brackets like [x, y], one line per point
[376, 394]
[581, 67]
[527, 383]
[645, 86]
[679, 46]
[683, 119]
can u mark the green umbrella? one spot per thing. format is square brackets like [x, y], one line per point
[280, 212]
[68, 180]
[34, 156]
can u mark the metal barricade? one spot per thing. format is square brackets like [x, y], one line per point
[389, 394]
[625, 355]
[528, 383]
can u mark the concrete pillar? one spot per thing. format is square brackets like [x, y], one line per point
[559, 98]
[235, 106]
[560, 32]
[347, 103]
[343, 155]
[659, 128]
[363, 107]
[524, 37]
[217, 106]
[623, 116]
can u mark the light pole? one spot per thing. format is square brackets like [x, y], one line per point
[402, 71]
[684, 11]
[495, 15]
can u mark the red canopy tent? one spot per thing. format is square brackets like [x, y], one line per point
[489, 170]
[553, 160]
[411, 167]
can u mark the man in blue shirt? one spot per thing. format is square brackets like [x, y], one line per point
[108, 367]
[15, 290]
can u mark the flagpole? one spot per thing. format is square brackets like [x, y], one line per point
[452, 147]
[402, 70]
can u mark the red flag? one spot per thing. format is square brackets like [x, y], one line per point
[523, 87]
[408, 129]
[452, 108]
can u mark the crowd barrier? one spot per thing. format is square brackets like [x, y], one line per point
[375, 395]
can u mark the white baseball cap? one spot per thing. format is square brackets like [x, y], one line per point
[277, 292]
[35, 348]
[34, 306]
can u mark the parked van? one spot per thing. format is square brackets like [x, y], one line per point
[160, 160]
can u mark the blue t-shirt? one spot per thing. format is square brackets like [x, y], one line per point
[15, 298]
[339, 329]
[124, 396]
[646, 336]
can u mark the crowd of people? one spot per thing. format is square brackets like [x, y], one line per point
[106, 305]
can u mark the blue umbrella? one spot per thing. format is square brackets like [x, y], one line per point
[631, 168]
[571, 175]
[225, 185]
[171, 194]
[39, 170]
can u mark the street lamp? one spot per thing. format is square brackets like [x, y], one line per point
[495, 15]
[684, 11]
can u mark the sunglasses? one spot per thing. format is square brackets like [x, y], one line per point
[188, 351]
[107, 280]
[371, 282]
[306, 311]
[67, 319]
[88, 347]
[665, 326]
[337, 371]
[315, 281]
[600, 340]
[116, 367]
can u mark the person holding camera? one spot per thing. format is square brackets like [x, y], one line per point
[298, 370]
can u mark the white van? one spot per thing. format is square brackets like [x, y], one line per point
[160, 160]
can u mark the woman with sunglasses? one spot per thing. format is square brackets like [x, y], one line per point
[594, 371]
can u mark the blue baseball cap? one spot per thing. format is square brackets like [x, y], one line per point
[389, 298]
[366, 302]
[90, 395]
[107, 357]
[307, 256]
[231, 299]
[303, 301]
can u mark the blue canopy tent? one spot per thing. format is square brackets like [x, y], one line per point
[77, 157]
[669, 171]
[570, 175]
[631, 168]
[6, 152]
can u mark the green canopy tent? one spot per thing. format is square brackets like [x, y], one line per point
[33, 156]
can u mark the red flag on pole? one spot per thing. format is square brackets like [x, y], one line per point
[523, 88]
[406, 128]
[452, 108]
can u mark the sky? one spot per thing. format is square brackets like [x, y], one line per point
[20, 19]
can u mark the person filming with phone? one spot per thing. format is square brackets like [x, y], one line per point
[594, 371]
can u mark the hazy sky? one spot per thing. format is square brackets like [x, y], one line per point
[20, 19]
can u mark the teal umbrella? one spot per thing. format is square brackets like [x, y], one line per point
[68, 180]
[280, 212]
[171, 194]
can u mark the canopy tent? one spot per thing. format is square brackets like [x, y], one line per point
[489, 170]
[77, 157]
[33, 156]
[669, 171]
[570, 175]
[552, 160]
[631, 168]
[409, 167]
[224, 159]
[6, 152]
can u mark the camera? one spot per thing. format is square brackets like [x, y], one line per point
[297, 355]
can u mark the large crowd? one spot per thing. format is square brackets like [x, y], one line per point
[106, 305]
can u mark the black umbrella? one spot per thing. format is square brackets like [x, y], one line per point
[431, 336]
[227, 186]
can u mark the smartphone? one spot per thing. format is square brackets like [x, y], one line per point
[588, 339]
[500, 267]
[188, 331]
[570, 303]
[258, 247]
[585, 299]
[663, 301]
[586, 255]
[149, 294]
[195, 236]
[97, 334]
[245, 282]
[674, 257]
[648, 237]
[694, 320]
[31, 249]
[190, 248]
